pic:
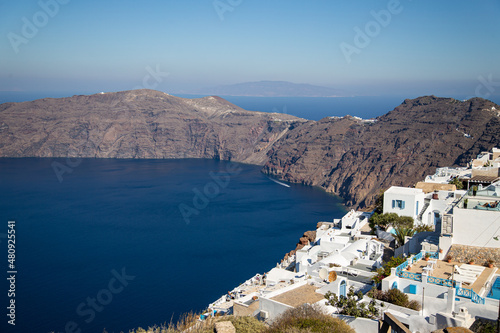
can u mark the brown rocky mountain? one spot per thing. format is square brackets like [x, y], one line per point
[356, 159]
[348, 156]
[139, 124]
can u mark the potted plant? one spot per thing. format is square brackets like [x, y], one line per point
[449, 257]
[489, 263]
[427, 256]
[474, 190]
[471, 262]
[465, 202]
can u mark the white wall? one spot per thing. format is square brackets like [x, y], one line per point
[410, 198]
[431, 290]
[445, 244]
[275, 308]
[435, 206]
[476, 227]
[359, 324]
[272, 307]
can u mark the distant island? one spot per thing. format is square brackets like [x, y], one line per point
[272, 89]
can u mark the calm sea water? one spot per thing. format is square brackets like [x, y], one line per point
[121, 217]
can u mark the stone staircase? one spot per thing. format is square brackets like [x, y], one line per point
[422, 211]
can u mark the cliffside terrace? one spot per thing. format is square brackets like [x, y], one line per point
[482, 198]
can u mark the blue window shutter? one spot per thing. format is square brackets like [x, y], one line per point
[343, 289]
[402, 205]
[416, 210]
[393, 203]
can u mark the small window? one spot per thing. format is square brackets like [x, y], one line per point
[398, 204]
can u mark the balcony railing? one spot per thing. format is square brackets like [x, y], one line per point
[403, 273]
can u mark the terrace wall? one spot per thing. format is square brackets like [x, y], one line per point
[464, 253]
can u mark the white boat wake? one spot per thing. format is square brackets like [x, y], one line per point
[277, 182]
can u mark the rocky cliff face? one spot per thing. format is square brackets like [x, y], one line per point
[348, 156]
[356, 159]
[139, 124]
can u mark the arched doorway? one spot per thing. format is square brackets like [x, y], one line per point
[343, 288]
[437, 220]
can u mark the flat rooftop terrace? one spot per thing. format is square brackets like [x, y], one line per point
[299, 296]
[444, 270]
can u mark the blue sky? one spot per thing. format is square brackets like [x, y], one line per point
[423, 47]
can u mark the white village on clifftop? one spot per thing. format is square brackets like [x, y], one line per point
[426, 262]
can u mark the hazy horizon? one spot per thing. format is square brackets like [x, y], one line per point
[364, 48]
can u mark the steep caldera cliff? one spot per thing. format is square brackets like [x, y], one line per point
[139, 124]
[357, 158]
[348, 156]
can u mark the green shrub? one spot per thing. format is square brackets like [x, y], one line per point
[455, 181]
[423, 227]
[390, 219]
[386, 269]
[483, 325]
[351, 305]
[307, 318]
[397, 297]
[401, 232]
[394, 296]
[382, 220]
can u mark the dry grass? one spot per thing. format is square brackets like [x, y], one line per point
[303, 319]
[190, 321]
[186, 321]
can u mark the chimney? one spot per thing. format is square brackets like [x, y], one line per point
[450, 305]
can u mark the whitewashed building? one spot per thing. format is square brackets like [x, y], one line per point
[404, 201]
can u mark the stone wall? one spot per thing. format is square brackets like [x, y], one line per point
[464, 253]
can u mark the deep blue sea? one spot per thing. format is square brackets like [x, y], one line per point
[106, 245]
